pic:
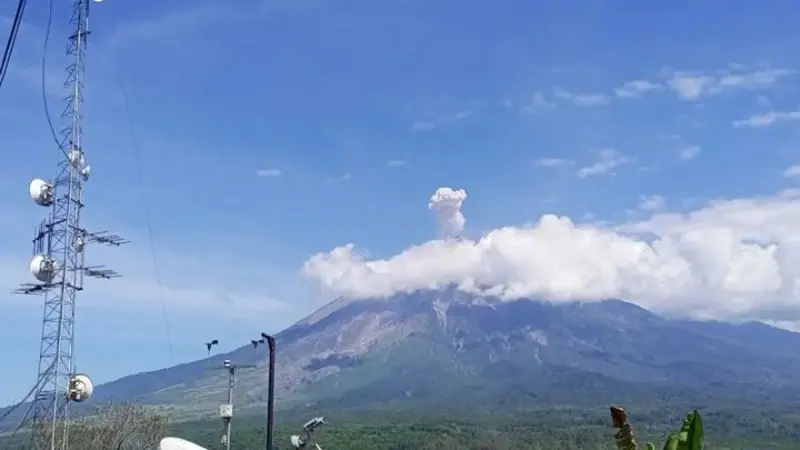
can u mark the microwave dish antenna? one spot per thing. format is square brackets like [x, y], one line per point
[58, 266]
[41, 192]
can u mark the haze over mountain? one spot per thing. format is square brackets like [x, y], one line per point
[447, 347]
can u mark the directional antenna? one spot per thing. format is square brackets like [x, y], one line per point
[100, 272]
[106, 238]
[33, 288]
[41, 236]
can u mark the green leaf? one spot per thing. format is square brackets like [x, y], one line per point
[650, 446]
[672, 442]
[691, 433]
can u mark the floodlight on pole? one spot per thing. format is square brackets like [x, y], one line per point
[300, 441]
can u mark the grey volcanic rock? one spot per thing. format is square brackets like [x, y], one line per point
[435, 346]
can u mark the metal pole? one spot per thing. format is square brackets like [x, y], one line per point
[226, 410]
[231, 376]
[270, 390]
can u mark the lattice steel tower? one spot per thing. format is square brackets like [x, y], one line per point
[58, 263]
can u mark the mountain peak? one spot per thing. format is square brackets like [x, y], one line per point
[370, 349]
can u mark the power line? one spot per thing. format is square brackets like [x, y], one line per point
[12, 39]
[146, 205]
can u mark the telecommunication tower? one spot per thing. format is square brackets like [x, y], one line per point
[58, 264]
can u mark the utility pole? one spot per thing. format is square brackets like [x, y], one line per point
[226, 409]
[270, 340]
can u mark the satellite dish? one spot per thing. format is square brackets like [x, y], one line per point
[173, 443]
[43, 268]
[41, 192]
[81, 388]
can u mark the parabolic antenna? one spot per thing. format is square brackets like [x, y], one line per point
[81, 388]
[173, 443]
[43, 268]
[41, 192]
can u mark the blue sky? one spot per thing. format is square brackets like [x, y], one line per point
[272, 130]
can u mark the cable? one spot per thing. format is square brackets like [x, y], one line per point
[146, 204]
[12, 40]
[44, 79]
[14, 407]
[26, 398]
[25, 419]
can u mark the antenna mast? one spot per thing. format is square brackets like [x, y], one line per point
[58, 265]
[226, 409]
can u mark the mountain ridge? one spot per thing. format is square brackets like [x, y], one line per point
[344, 331]
[423, 348]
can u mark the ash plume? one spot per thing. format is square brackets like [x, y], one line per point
[446, 204]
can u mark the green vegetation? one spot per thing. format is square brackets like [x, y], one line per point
[689, 437]
[123, 426]
[127, 427]
[547, 429]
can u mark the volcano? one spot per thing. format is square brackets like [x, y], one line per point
[433, 348]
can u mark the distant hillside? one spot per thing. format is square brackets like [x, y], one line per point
[447, 349]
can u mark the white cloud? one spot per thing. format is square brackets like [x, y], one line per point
[693, 85]
[396, 163]
[443, 119]
[690, 152]
[636, 88]
[338, 179]
[766, 119]
[755, 79]
[734, 259]
[269, 173]
[609, 159]
[690, 87]
[652, 203]
[582, 99]
[792, 171]
[791, 325]
[538, 104]
[422, 125]
[553, 162]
